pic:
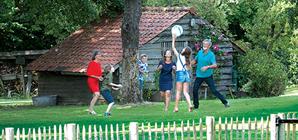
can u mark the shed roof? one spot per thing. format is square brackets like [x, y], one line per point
[74, 53]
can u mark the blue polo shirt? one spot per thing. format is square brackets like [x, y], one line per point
[204, 60]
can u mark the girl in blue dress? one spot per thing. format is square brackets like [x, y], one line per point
[166, 67]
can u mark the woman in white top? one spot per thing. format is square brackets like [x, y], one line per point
[182, 74]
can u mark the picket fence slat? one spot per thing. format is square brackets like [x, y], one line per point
[23, 134]
[39, 133]
[169, 131]
[95, 132]
[100, 133]
[194, 130]
[149, 131]
[219, 128]
[182, 130]
[155, 131]
[55, 132]
[106, 132]
[34, 134]
[29, 134]
[123, 132]
[143, 132]
[231, 130]
[188, 130]
[89, 132]
[294, 127]
[162, 131]
[201, 129]
[18, 134]
[2, 134]
[60, 132]
[84, 133]
[288, 127]
[249, 129]
[226, 128]
[267, 128]
[117, 132]
[256, 128]
[175, 131]
[78, 132]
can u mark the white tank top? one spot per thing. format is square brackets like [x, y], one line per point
[179, 65]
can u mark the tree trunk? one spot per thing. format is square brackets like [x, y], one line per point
[130, 43]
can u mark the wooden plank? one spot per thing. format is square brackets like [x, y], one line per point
[9, 133]
[133, 131]
[169, 131]
[231, 130]
[117, 132]
[256, 128]
[112, 132]
[162, 131]
[281, 128]
[95, 132]
[24, 134]
[89, 132]
[243, 129]
[226, 128]
[106, 132]
[201, 129]
[84, 133]
[262, 128]
[210, 127]
[55, 132]
[39, 134]
[175, 131]
[267, 128]
[273, 127]
[18, 134]
[78, 132]
[219, 128]
[188, 130]
[34, 134]
[182, 130]
[249, 129]
[237, 128]
[49, 133]
[143, 132]
[294, 127]
[123, 132]
[29, 83]
[100, 133]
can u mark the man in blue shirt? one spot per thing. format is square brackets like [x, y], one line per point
[206, 62]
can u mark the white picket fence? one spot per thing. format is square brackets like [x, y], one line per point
[222, 129]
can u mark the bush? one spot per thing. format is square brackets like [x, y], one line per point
[264, 75]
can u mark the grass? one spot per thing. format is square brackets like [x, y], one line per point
[33, 117]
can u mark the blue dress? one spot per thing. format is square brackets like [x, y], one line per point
[165, 78]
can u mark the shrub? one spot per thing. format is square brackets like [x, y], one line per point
[264, 75]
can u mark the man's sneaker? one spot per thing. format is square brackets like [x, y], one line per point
[92, 112]
[227, 105]
[107, 114]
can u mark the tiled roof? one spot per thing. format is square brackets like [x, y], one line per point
[74, 53]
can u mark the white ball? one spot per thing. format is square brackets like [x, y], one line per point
[177, 30]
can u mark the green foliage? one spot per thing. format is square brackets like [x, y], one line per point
[265, 76]
[42, 24]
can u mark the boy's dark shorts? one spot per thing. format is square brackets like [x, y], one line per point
[106, 94]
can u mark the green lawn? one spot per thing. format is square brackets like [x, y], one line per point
[30, 116]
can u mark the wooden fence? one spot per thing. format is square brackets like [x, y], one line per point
[210, 129]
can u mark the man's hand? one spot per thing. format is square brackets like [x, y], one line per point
[204, 68]
[100, 78]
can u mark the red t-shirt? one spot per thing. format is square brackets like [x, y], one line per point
[94, 68]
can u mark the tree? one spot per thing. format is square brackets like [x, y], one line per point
[130, 44]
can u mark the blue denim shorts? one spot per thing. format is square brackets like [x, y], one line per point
[183, 76]
[106, 94]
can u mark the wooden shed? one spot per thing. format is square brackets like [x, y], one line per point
[61, 70]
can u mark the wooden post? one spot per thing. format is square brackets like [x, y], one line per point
[210, 126]
[71, 132]
[9, 133]
[133, 131]
[273, 127]
[281, 128]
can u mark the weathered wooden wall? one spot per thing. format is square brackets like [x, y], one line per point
[155, 48]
